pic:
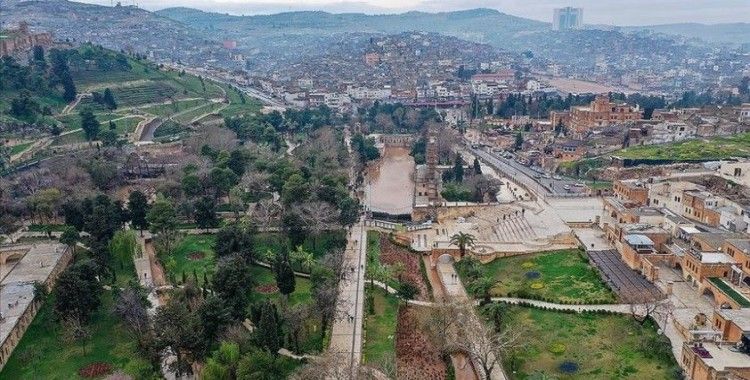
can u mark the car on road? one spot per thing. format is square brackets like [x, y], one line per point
[566, 187]
[556, 177]
[547, 176]
[579, 184]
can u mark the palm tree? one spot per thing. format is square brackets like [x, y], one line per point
[462, 240]
[303, 258]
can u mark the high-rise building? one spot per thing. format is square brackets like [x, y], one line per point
[567, 18]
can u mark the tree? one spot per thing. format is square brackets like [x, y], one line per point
[75, 331]
[296, 189]
[89, 124]
[232, 282]
[108, 137]
[269, 328]
[260, 365]
[69, 88]
[462, 240]
[123, 246]
[482, 287]
[214, 316]
[644, 306]
[458, 168]
[109, 99]
[131, 307]
[305, 259]
[223, 363]
[284, 274]
[69, 237]
[162, 220]
[235, 238]
[176, 330]
[519, 142]
[205, 213]
[77, 293]
[138, 208]
[477, 166]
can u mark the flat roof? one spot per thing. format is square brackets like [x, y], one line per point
[740, 317]
[690, 230]
[638, 239]
[17, 288]
[716, 258]
[722, 357]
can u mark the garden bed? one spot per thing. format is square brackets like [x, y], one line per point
[416, 356]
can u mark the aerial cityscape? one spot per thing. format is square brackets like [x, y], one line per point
[325, 190]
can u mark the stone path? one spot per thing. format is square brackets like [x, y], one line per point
[346, 334]
[617, 308]
[454, 289]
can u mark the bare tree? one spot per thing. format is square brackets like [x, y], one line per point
[318, 217]
[266, 212]
[644, 306]
[75, 331]
[456, 329]
[131, 308]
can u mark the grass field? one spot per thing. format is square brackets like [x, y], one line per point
[166, 110]
[716, 148]
[559, 276]
[380, 326]
[189, 116]
[265, 277]
[194, 253]
[598, 346]
[44, 354]
[72, 120]
[15, 149]
[70, 138]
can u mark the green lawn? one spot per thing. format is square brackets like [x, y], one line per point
[15, 149]
[602, 346]
[43, 354]
[172, 108]
[715, 148]
[264, 277]
[71, 138]
[559, 276]
[194, 253]
[380, 326]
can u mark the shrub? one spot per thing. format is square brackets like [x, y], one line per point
[97, 369]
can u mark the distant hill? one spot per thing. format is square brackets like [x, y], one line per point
[119, 27]
[732, 33]
[479, 25]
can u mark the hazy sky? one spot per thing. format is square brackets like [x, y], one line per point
[614, 12]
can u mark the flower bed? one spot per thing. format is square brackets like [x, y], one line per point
[97, 369]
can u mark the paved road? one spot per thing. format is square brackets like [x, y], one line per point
[346, 336]
[526, 176]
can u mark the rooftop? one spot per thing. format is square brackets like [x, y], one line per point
[721, 357]
[637, 239]
[17, 288]
[740, 317]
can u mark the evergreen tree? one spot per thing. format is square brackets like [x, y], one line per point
[284, 274]
[89, 124]
[269, 328]
[477, 167]
[138, 208]
[205, 213]
[458, 169]
[69, 88]
[109, 99]
[519, 141]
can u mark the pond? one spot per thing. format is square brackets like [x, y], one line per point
[391, 182]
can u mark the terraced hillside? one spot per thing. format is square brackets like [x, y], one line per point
[123, 92]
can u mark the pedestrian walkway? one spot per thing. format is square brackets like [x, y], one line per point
[455, 291]
[346, 335]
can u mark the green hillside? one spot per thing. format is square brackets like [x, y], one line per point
[49, 95]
